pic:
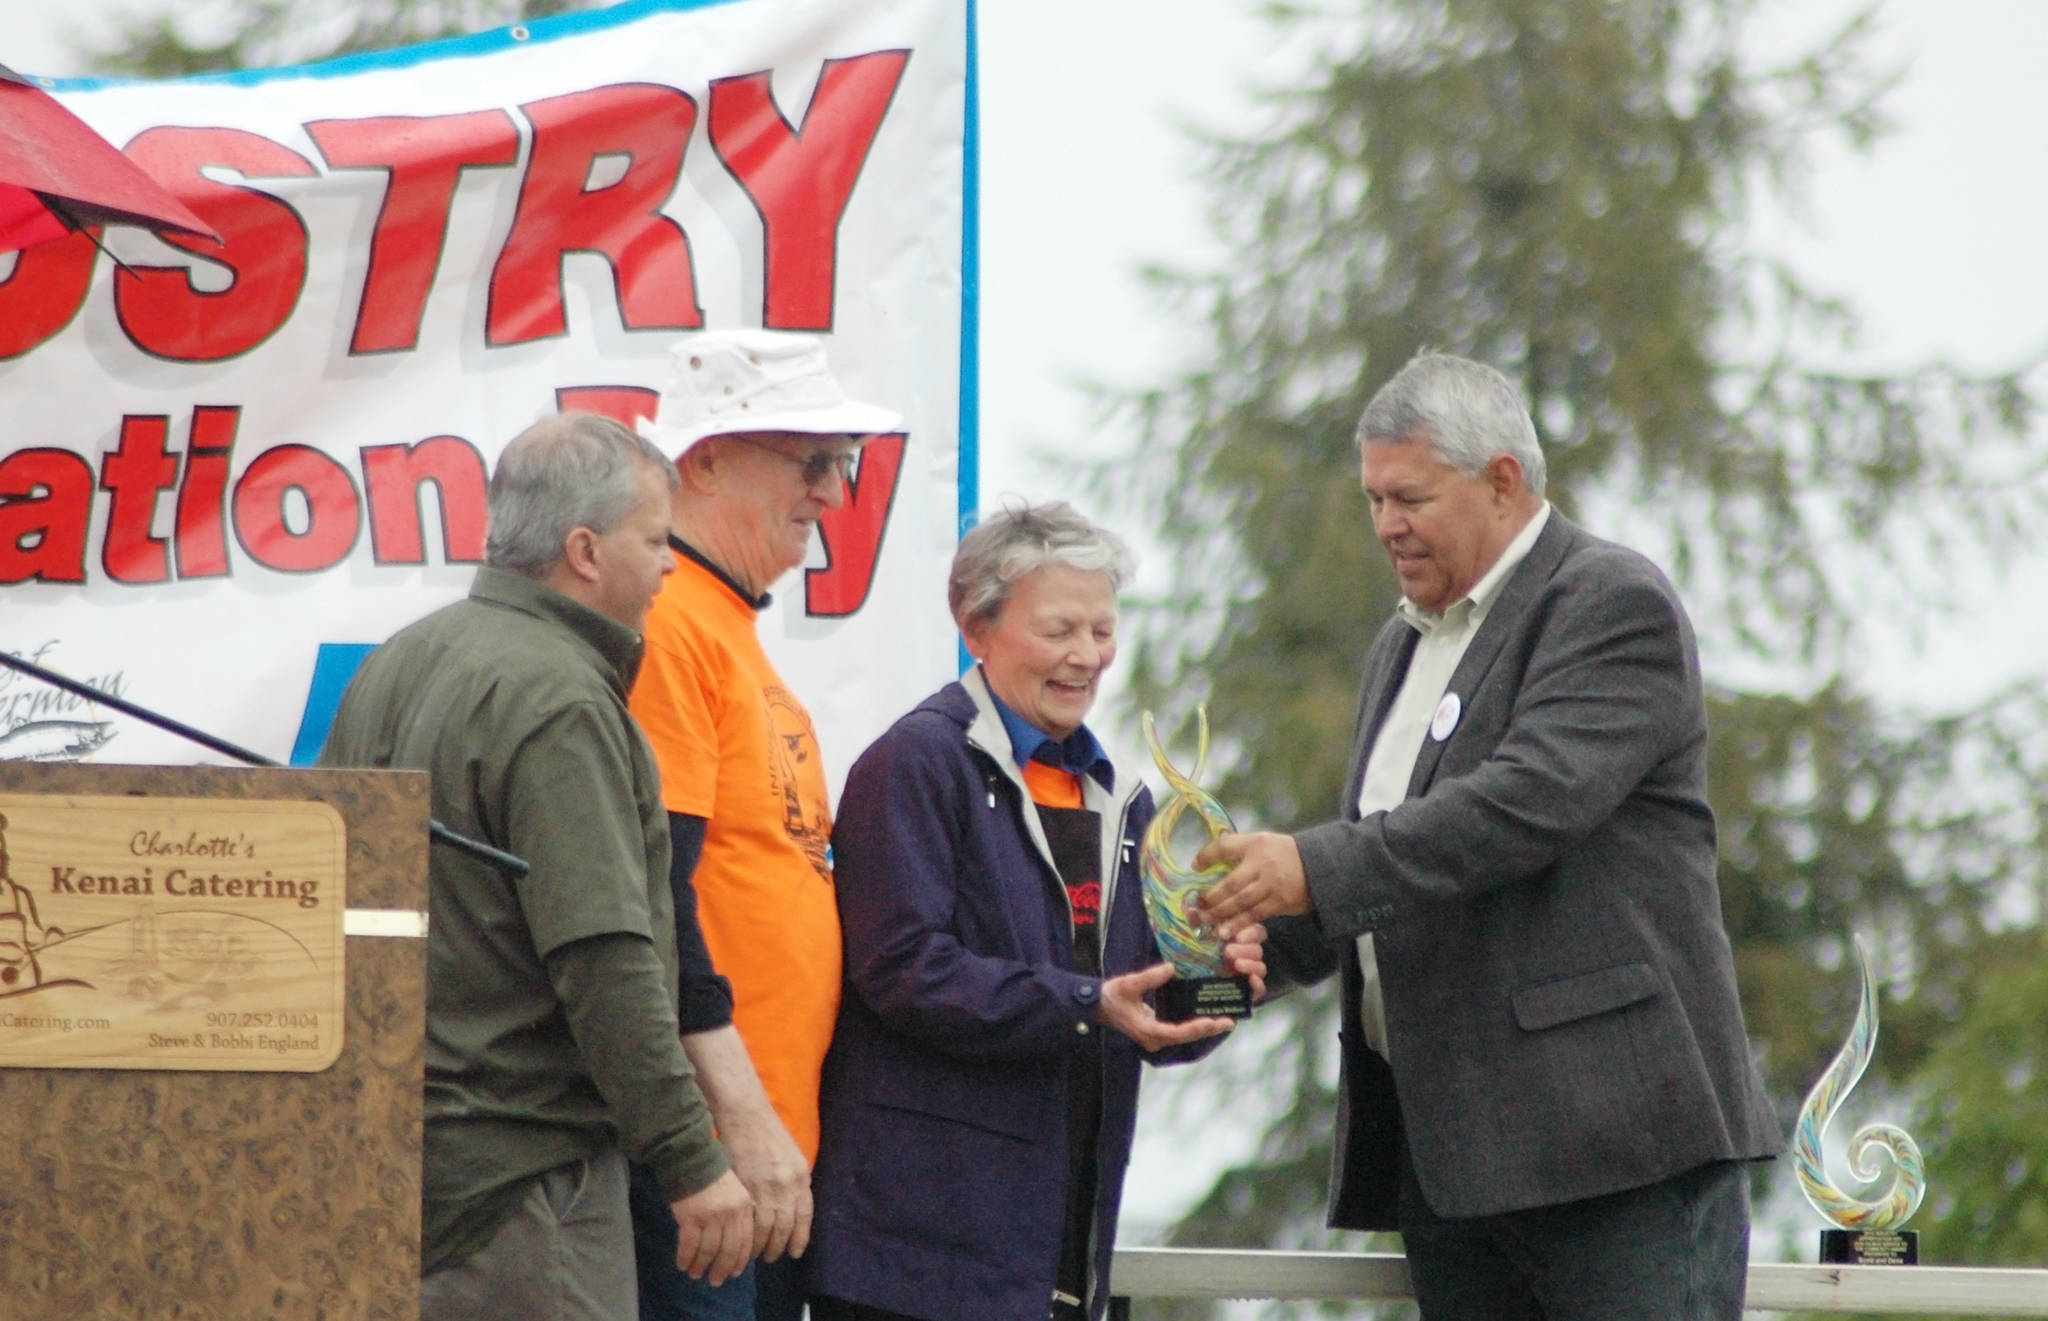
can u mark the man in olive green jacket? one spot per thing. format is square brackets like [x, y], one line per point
[552, 1047]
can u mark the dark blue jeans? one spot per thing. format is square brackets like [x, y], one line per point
[1677, 1250]
[764, 1291]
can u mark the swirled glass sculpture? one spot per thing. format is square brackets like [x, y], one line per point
[1170, 887]
[1899, 1199]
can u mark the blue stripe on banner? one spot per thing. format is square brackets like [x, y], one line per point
[405, 57]
[970, 289]
[333, 667]
[969, 463]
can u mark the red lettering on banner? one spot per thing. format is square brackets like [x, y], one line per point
[392, 478]
[44, 291]
[139, 469]
[853, 532]
[45, 512]
[624, 404]
[333, 513]
[423, 157]
[294, 510]
[202, 542]
[800, 179]
[264, 247]
[560, 213]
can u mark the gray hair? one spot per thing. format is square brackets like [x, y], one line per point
[1018, 540]
[1467, 411]
[564, 472]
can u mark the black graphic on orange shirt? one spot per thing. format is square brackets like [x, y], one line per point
[792, 764]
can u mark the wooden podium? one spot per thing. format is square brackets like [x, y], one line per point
[210, 1097]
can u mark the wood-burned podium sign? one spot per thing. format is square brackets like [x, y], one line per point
[171, 933]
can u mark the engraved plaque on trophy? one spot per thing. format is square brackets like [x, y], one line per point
[1867, 1227]
[1202, 987]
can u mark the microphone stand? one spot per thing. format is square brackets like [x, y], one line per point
[475, 848]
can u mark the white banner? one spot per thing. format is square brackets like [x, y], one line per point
[227, 472]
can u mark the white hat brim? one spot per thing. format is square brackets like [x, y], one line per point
[850, 418]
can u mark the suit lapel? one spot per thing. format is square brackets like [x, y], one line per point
[1508, 618]
[1384, 667]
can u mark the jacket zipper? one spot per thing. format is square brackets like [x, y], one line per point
[1118, 855]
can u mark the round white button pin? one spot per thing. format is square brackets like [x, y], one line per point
[1446, 718]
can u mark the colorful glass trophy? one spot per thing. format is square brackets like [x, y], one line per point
[1201, 987]
[1867, 1229]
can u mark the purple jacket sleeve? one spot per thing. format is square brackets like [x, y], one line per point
[942, 914]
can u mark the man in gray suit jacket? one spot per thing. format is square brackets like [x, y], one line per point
[1547, 1085]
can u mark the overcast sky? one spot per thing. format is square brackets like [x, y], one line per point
[1936, 237]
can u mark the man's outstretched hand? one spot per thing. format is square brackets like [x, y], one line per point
[1265, 880]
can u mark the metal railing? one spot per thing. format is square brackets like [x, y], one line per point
[1204, 1273]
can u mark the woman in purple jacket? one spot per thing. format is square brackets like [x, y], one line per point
[982, 1085]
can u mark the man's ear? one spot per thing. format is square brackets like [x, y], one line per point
[580, 554]
[699, 465]
[1504, 476]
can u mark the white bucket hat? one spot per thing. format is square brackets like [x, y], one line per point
[724, 382]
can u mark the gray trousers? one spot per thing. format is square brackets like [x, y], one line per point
[565, 1255]
[1677, 1250]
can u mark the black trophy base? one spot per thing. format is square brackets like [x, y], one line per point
[1870, 1247]
[1204, 997]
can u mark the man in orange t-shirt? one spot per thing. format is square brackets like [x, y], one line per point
[763, 438]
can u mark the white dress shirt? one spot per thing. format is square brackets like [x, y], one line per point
[1423, 708]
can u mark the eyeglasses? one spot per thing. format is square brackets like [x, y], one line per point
[819, 466]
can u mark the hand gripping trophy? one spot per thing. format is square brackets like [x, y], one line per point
[1200, 987]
